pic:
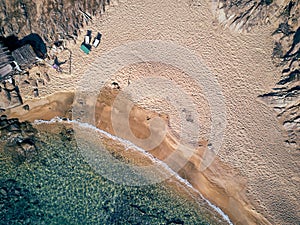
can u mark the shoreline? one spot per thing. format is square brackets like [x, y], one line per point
[60, 173]
[253, 147]
[227, 194]
[109, 136]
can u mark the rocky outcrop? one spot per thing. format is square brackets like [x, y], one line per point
[18, 205]
[9, 95]
[19, 140]
[286, 102]
[52, 20]
[243, 16]
[285, 97]
[246, 15]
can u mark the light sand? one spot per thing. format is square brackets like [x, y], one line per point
[219, 184]
[268, 171]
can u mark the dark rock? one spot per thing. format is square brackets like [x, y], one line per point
[246, 15]
[35, 92]
[14, 127]
[3, 123]
[284, 28]
[3, 192]
[19, 140]
[23, 150]
[292, 76]
[286, 54]
[19, 206]
[26, 107]
[3, 117]
[67, 134]
[175, 221]
[17, 193]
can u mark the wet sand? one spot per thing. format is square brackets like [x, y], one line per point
[220, 184]
[255, 176]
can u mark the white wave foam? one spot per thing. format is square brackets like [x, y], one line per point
[128, 145]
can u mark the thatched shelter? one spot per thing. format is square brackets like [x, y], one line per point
[24, 56]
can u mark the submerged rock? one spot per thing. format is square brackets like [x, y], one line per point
[19, 140]
[18, 204]
[67, 134]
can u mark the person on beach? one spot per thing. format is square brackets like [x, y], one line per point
[56, 64]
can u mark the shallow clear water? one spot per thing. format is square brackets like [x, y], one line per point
[58, 187]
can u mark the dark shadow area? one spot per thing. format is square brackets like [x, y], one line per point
[37, 44]
[58, 43]
[89, 33]
[12, 43]
[56, 62]
[98, 36]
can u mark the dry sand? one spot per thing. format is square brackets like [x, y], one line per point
[255, 177]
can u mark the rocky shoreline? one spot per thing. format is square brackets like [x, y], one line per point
[38, 188]
[26, 204]
[19, 140]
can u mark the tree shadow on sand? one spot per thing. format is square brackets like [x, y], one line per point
[35, 40]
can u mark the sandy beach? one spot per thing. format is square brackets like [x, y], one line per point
[255, 177]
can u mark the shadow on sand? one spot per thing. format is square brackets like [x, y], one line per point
[37, 43]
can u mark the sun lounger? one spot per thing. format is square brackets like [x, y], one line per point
[87, 40]
[87, 37]
[97, 40]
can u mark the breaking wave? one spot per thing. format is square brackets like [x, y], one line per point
[128, 145]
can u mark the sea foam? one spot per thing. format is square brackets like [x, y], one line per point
[129, 144]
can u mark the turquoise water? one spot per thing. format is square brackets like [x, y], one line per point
[58, 187]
